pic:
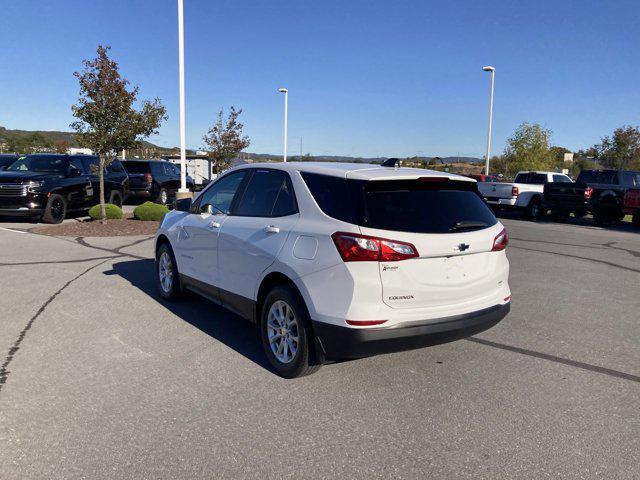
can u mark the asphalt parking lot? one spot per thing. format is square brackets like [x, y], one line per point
[101, 379]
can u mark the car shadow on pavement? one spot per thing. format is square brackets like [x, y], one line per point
[211, 319]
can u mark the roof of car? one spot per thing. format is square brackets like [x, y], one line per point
[360, 171]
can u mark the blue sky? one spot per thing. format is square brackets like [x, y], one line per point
[367, 78]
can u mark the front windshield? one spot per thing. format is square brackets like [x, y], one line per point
[36, 163]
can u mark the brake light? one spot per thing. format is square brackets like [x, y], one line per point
[362, 248]
[148, 178]
[364, 323]
[588, 192]
[515, 191]
[501, 241]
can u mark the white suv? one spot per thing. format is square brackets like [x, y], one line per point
[336, 261]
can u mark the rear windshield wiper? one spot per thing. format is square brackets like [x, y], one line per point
[467, 225]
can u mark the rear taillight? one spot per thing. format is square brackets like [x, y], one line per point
[588, 192]
[515, 191]
[362, 248]
[501, 241]
[148, 178]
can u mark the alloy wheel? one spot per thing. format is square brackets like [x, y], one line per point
[165, 272]
[57, 209]
[283, 331]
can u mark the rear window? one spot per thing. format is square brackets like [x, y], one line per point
[561, 179]
[403, 205]
[601, 177]
[531, 178]
[136, 167]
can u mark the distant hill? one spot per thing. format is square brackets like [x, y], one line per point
[26, 141]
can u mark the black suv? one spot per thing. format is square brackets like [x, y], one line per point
[49, 186]
[156, 180]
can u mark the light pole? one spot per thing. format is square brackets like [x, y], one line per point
[183, 192]
[286, 108]
[486, 161]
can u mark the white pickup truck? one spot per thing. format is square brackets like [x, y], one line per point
[525, 193]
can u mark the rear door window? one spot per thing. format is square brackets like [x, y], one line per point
[76, 162]
[268, 194]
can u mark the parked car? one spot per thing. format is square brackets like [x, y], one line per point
[156, 180]
[49, 186]
[524, 194]
[339, 261]
[597, 192]
[631, 205]
[7, 159]
[481, 177]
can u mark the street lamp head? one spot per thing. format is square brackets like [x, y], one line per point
[283, 90]
[488, 68]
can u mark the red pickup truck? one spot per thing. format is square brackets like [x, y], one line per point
[631, 205]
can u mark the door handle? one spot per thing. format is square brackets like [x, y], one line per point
[271, 229]
[214, 225]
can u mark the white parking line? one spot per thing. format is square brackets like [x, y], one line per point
[12, 230]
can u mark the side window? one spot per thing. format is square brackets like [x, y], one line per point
[91, 165]
[157, 168]
[333, 196]
[116, 167]
[168, 169]
[220, 194]
[268, 194]
[77, 163]
[631, 179]
[561, 179]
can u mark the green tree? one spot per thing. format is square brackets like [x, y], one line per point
[225, 140]
[106, 118]
[528, 149]
[621, 150]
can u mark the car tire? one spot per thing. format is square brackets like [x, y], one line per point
[163, 196]
[580, 214]
[167, 275]
[284, 318]
[606, 214]
[560, 215]
[116, 198]
[534, 209]
[636, 219]
[56, 209]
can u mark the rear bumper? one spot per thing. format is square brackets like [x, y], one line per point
[502, 202]
[337, 342]
[564, 205]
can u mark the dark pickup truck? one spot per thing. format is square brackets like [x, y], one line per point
[598, 192]
[48, 186]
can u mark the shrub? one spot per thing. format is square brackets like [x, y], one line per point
[113, 212]
[150, 212]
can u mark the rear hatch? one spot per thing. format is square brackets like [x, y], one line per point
[451, 228]
[139, 174]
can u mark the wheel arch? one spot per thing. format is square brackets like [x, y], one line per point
[273, 279]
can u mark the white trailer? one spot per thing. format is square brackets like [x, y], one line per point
[199, 168]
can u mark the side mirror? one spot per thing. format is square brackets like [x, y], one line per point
[182, 205]
[74, 172]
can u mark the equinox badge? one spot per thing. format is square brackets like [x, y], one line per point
[462, 247]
